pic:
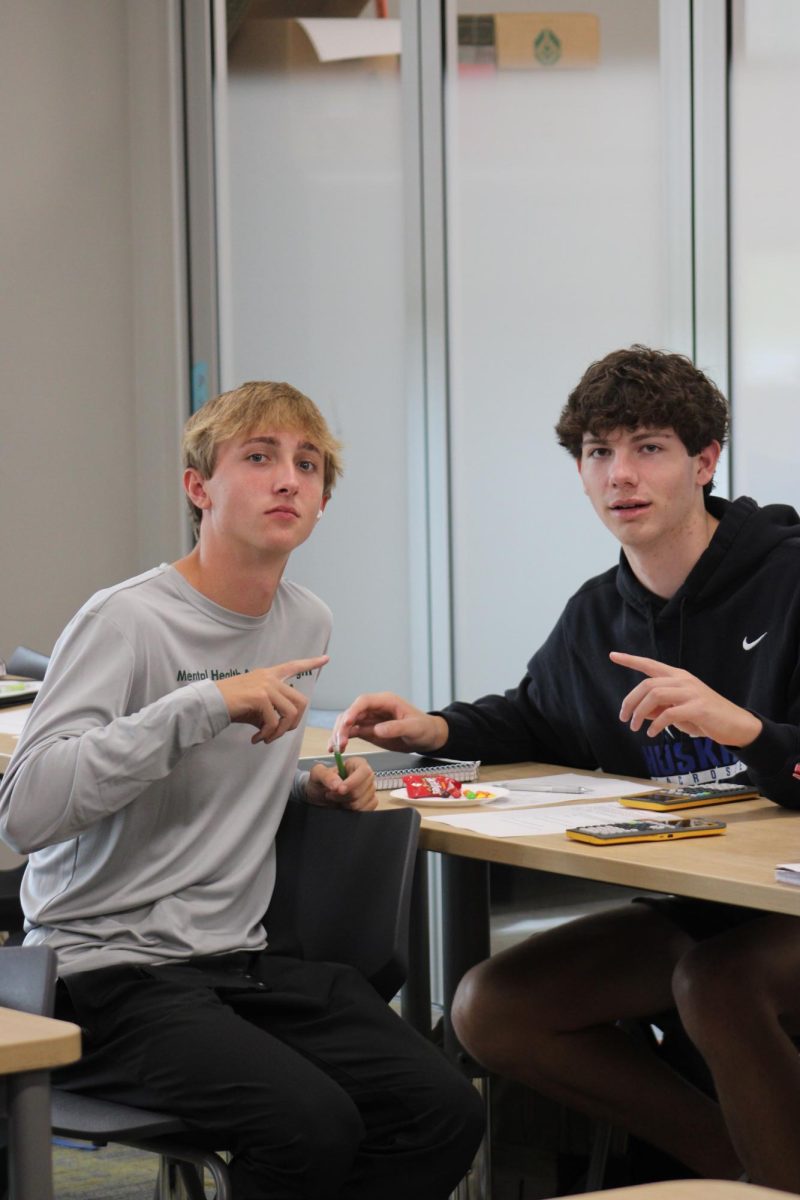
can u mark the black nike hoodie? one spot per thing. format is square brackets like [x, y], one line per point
[734, 623]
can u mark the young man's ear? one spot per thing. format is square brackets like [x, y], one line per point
[707, 461]
[195, 487]
[323, 504]
[579, 465]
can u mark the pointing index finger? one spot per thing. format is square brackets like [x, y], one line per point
[301, 666]
[647, 666]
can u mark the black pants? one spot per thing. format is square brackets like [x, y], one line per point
[300, 1069]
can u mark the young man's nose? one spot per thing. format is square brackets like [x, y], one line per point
[622, 469]
[287, 478]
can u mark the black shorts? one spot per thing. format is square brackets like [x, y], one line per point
[701, 919]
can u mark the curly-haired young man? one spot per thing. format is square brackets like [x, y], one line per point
[704, 608]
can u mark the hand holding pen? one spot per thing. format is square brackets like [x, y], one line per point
[350, 784]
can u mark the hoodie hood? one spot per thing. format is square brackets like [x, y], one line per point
[745, 536]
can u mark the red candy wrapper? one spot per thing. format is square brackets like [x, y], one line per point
[420, 786]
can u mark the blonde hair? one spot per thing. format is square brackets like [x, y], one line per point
[263, 406]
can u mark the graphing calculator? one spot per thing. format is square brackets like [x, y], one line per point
[670, 799]
[616, 832]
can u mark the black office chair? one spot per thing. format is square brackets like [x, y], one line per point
[342, 894]
[30, 663]
[28, 979]
[11, 917]
[343, 889]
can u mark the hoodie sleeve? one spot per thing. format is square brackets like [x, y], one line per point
[773, 762]
[83, 753]
[773, 759]
[537, 721]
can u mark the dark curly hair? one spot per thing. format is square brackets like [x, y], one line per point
[644, 388]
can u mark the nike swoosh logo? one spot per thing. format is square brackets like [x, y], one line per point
[749, 645]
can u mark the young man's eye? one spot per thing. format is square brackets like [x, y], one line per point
[651, 448]
[256, 457]
[598, 452]
[307, 465]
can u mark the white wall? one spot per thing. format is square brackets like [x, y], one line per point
[91, 323]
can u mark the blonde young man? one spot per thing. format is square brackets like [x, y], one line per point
[147, 789]
[681, 663]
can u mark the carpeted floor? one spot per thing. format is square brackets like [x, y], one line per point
[113, 1173]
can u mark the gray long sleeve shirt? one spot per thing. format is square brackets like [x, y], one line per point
[148, 816]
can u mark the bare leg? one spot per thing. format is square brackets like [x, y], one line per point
[544, 1013]
[739, 999]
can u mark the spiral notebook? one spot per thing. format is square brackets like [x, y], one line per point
[390, 766]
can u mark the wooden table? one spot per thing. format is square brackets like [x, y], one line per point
[29, 1047]
[736, 868]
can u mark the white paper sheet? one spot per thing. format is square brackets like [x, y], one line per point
[588, 787]
[336, 38]
[532, 822]
[570, 786]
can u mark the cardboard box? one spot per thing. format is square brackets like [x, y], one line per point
[546, 41]
[305, 44]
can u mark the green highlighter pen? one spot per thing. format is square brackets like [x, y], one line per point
[337, 757]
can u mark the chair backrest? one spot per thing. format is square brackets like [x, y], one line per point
[29, 663]
[28, 979]
[343, 889]
[11, 915]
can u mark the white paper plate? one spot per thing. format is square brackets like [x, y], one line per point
[453, 801]
[22, 690]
